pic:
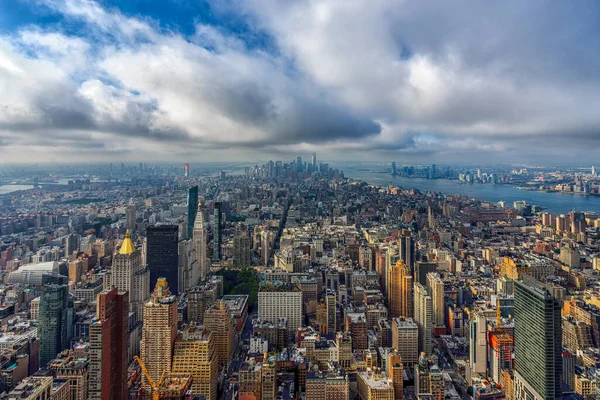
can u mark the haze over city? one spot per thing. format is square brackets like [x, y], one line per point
[258, 79]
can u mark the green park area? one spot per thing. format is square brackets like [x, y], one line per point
[241, 281]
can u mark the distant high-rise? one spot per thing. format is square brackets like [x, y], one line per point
[200, 237]
[109, 343]
[400, 291]
[423, 268]
[128, 274]
[216, 229]
[435, 285]
[192, 210]
[405, 339]
[130, 217]
[394, 171]
[478, 343]
[407, 249]
[186, 170]
[299, 164]
[71, 244]
[266, 246]
[241, 249]
[314, 161]
[538, 341]
[162, 255]
[594, 170]
[270, 168]
[330, 301]
[158, 332]
[423, 317]
[188, 271]
[55, 323]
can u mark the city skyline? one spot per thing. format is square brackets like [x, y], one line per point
[132, 81]
[296, 280]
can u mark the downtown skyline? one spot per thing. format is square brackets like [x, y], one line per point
[116, 81]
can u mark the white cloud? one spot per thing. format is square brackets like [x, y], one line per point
[373, 75]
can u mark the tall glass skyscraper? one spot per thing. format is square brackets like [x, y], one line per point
[192, 210]
[56, 317]
[163, 254]
[538, 341]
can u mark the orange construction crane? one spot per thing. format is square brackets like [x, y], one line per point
[498, 314]
[154, 385]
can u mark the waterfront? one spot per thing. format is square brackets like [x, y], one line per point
[4, 189]
[554, 202]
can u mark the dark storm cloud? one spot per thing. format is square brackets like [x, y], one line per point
[293, 117]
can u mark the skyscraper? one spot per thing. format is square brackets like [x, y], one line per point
[394, 171]
[158, 332]
[538, 341]
[407, 249]
[196, 354]
[241, 249]
[200, 244]
[71, 244]
[299, 164]
[217, 319]
[192, 210]
[56, 317]
[330, 301]
[314, 161]
[130, 217]
[109, 342]
[188, 271]
[400, 291]
[405, 339]
[435, 285]
[128, 274]
[478, 343]
[216, 228]
[423, 317]
[162, 256]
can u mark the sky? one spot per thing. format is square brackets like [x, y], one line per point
[432, 81]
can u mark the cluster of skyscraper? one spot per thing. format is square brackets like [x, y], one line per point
[357, 290]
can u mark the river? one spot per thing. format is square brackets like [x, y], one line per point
[557, 203]
[4, 189]
[554, 202]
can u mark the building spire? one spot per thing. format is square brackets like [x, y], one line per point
[127, 246]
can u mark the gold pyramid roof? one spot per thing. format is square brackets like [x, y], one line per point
[127, 246]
